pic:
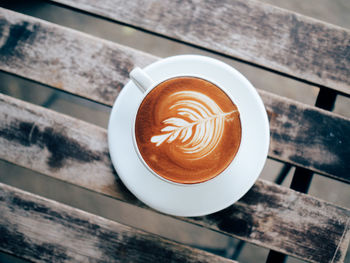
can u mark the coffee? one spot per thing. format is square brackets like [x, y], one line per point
[187, 130]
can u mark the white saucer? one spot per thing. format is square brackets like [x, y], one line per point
[195, 199]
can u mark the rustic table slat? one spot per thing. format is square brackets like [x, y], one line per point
[77, 152]
[252, 31]
[64, 58]
[42, 230]
[97, 69]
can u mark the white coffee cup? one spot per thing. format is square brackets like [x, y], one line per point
[145, 84]
[195, 199]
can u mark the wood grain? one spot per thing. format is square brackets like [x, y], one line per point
[77, 152]
[64, 58]
[308, 137]
[249, 30]
[98, 69]
[42, 230]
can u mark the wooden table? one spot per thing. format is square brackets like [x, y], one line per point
[285, 220]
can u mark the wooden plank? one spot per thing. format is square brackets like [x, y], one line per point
[252, 31]
[308, 137]
[42, 230]
[65, 59]
[98, 69]
[77, 152]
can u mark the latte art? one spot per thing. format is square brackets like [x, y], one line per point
[199, 127]
[187, 130]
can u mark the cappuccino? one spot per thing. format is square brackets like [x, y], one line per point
[187, 130]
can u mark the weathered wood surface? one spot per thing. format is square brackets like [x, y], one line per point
[308, 137]
[43, 230]
[77, 152]
[65, 59]
[252, 31]
[97, 69]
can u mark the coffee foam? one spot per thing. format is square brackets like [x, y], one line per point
[187, 130]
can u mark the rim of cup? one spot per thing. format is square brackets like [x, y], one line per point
[145, 94]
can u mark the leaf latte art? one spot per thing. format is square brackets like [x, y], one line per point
[187, 130]
[199, 127]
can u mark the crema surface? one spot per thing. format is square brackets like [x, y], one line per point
[187, 130]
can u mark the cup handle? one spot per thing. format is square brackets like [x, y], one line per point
[141, 79]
